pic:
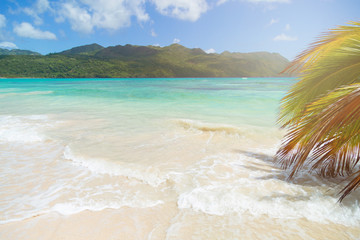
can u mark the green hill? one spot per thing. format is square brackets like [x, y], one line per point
[86, 49]
[94, 61]
[127, 52]
[17, 52]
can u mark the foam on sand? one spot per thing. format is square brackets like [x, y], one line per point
[24, 129]
[239, 184]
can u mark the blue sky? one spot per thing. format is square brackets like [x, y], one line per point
[283, 26]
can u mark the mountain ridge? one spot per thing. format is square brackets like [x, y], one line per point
[4, 51]
[84, 49]
[127, 61]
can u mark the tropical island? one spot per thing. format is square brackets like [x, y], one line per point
[132, 61]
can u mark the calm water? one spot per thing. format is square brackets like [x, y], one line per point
[198, 148]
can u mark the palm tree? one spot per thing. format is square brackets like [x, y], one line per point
[322, 110]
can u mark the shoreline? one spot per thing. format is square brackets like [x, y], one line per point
[160, 223]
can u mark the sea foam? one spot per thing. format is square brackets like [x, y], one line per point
[251, 187]
[79, 205]
[26, 129]
[147, 174]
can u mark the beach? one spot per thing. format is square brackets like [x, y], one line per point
[157, 159]
[158, 223]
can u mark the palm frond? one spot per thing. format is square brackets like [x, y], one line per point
[329, 63]
[355, 183]
[326, 136]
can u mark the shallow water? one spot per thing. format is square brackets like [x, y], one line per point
[198, 152]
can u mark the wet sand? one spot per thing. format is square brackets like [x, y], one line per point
[166, 222]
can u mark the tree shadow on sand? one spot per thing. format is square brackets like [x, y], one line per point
[303, 178]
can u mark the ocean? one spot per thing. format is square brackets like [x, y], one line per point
[156, 159]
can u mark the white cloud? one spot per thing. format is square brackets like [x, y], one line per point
[137, 7]
[153, 33]
[284, 37]
[2, 21]
[287, 27]
[39, 7]
[27, 30]
[211, 50]
[156, 45]
[176, 40]
[190, 10]
[219, 2]
[79, 18]
[9, 45]
[85, 15]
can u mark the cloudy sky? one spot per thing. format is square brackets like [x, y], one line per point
[284, 26]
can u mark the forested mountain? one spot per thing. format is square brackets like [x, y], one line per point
[86, 50]
[95, 61]
[17, 52]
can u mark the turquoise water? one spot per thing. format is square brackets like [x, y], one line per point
[198, 151]
[234, 101]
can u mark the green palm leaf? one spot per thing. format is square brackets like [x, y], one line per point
[329, 63]
[322, 110]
